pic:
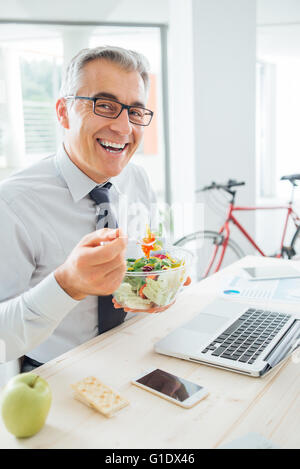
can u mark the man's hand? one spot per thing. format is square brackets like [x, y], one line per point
[157, 309]
[94, 269]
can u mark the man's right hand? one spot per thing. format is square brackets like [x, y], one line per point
[92, 269]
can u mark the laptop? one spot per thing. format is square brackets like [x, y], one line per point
[236, 337]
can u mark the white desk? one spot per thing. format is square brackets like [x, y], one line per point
[237, 404]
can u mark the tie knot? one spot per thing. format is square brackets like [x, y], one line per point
[100, 195]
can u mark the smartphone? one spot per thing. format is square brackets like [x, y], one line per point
[177, 390]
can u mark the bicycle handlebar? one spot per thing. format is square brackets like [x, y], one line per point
[231, 183]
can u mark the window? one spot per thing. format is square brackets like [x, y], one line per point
[40, 77]
[32, 58]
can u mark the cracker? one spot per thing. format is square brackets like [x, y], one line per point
[92, 392]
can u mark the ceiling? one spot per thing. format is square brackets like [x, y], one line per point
[278, 30]
[278, 21]
[278, 43]
[272, 12]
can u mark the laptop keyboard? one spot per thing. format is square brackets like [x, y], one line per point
[247, 337]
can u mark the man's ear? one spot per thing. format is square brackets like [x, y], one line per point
[62, 113]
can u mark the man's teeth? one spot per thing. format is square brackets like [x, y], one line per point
[112, 144]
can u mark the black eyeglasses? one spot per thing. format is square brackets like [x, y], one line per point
[105, 107]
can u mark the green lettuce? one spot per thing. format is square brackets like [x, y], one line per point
[163, 290]
[126, 297]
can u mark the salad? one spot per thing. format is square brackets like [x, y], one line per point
[153, 279]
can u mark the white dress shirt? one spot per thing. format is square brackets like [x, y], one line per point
[45, 210]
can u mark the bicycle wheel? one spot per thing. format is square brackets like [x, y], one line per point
[203, 245]
[294, 251]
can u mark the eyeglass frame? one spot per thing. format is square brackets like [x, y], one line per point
[123, 106]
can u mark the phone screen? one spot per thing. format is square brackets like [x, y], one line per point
[170, 385]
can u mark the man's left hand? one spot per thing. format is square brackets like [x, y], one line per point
[151, 310]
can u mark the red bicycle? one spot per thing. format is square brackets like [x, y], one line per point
[215, 249]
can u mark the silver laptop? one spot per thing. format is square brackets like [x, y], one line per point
[236, 337]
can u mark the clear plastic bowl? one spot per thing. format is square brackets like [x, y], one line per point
[160, 287]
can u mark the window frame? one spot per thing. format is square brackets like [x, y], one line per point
[163, 28]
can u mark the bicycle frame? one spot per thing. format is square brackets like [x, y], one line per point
[230, 218]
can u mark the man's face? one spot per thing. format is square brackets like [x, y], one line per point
[87, 135]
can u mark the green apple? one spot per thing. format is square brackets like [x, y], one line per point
[25, 403]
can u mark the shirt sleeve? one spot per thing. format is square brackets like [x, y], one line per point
[28, 316]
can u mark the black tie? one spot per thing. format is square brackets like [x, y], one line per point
[108, 316]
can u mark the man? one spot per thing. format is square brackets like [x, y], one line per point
[56, 267]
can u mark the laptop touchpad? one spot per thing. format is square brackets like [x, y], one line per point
[206, 323]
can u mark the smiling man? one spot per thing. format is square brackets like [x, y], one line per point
[61, 257]
[101, 133]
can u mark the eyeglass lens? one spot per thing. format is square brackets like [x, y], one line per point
[111, 109]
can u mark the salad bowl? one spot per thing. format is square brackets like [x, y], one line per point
[154, 281]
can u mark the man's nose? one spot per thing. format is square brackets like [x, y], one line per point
[121, 124]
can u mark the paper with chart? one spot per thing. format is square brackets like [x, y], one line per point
[283, 290]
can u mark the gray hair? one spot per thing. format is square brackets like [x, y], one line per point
[127, 59]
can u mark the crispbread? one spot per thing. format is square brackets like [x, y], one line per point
[92, 392]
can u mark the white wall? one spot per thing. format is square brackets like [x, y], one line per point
[221, 35]
[224, 77]
[278, 43]
[181, 123]
[57, 10]
[211, 76]
[278, 11]
[155, 11]
[285, 157]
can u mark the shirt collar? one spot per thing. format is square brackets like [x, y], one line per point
[79, 184]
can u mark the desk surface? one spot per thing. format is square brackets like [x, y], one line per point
[236, 405]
